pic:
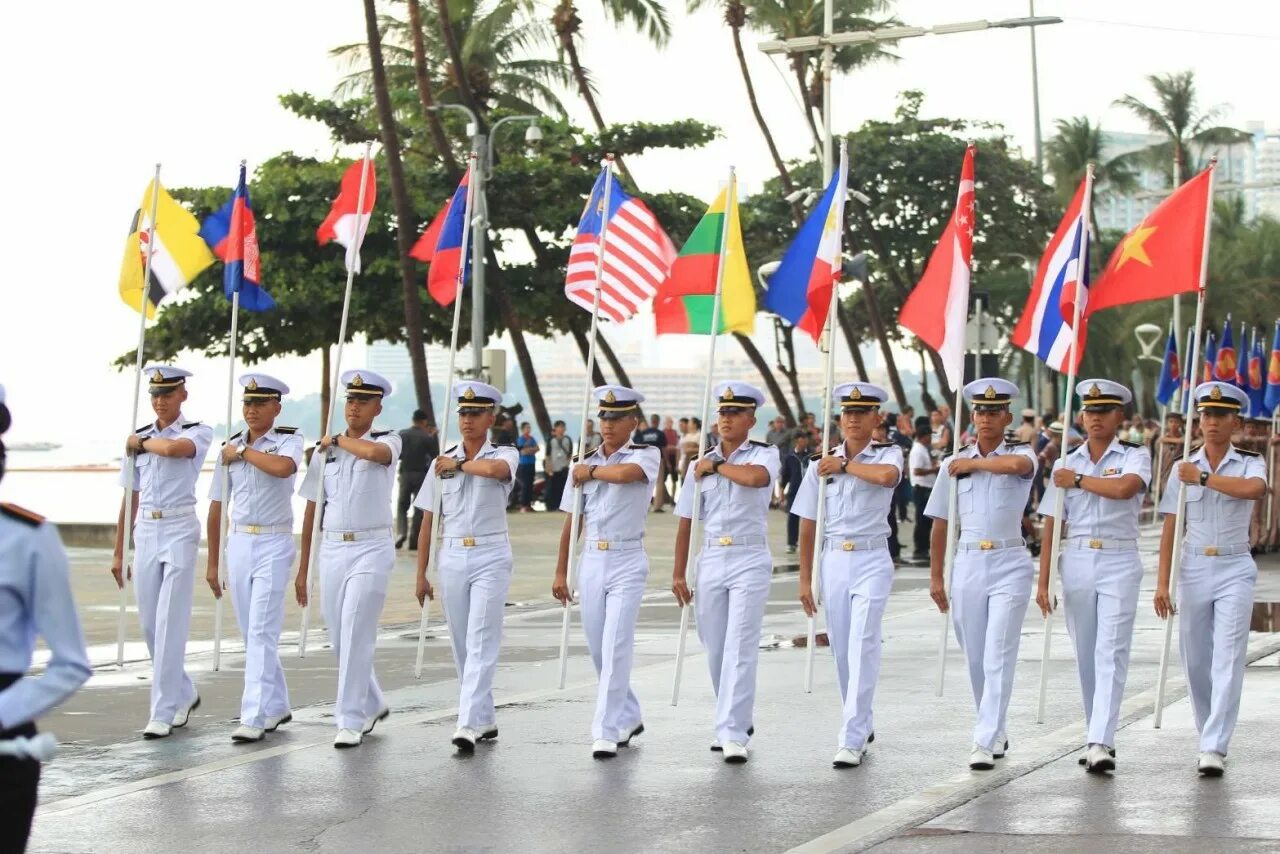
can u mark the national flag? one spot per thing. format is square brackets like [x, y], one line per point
[1045, 325]
[441, 246]
[345, 223]
[937, 309]
[178, 254]
[1224, 361]
[1210, 358]
[231, 233]
[1162, 256]
[800, 289]
[1257, 388]
[1271, 397]
[684, 302]
[1170, 372]
[638, 254]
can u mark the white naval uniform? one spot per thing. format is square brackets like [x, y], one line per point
[357, 554]
[611, 579]
[734, 570]
[166, 537]
[260, 553]
[991, 580]
[475, 567]
[1215, 594]
[1101, 573]
[856, 577]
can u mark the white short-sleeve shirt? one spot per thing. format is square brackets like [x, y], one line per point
[727, 509]
[989, 505]
[1089, 514]
[357, 493]
[617, 511]
[855, 508]
[166, 483]
[258, 498]
[1214, 518]
[471, 506]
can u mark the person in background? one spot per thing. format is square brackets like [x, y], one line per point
[591, 439]
[880, 437]
[528, 448]
[556, 464]
[1026, 431]
[940, 432]
[653, 436]
[794, 465]
[901, 493]
[780, 437]
[906, 422]
[690, 443]
[924, 473]
[420, 445]
[671, 458]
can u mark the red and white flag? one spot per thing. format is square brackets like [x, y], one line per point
[345, 223]
[938, 307]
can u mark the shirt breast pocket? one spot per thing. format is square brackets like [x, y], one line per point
[965, 494]
[364, 476]
[1195, 504]
[837, 493]
[1008, 494]
[711, 492]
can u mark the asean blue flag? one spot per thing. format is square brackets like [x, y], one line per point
[1271, 398]
[232, 234]
[1253, 378]
[1170, 372]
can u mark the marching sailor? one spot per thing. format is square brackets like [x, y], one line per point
[992, 574]
[167, 455]
[475, 478]
[617, 483]
[734, 567]
[357, 552]
[260, 464]
[1104, 479]
[1215, 585]
[856, 568]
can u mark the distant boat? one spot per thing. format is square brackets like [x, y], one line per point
[34, 446]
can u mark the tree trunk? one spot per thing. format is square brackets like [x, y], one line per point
[775, 390]
[615, 365]
[432, 117]
[789, 370]
[927, 399]
[512, 321]
[877, 328]
[846, 325]
[455, 59]
[404, 214]
[797, 66]
[565, 22]
[584, 346]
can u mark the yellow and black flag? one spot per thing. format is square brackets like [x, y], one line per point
[178, 256]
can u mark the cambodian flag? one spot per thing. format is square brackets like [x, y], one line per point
[1271, 398]
[1253, 377]
[800, 289]
[1170, 372]
[231, 233]
[1224, 363]
[441, 246]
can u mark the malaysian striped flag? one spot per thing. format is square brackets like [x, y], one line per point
[637, 253]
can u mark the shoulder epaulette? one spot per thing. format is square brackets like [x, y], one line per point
[190, 424]
[884, 444]
[1129, 444]
[21, 514]
[815, 456]
[287, 430]
[963, 448]
[1246, 453]
[498, 445]
[451, 449]
[144, 427]
[709, 449]
[635, 446]
[1013, 443]
[234, 437]
[378, 434]
[758, 443]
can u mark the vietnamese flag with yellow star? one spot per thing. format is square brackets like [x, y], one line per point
[1162, 256]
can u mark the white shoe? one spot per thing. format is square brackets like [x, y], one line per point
[1001, 748]
[490, 733]
[1098, 759]
[981, 759]
[465, 738]
[156, 729]
[734, 753]
[601, 749]
[1212, 764]
[716, 746]
[180, 719]
[274, 723]
[373, 721]
[348, 738]
[635, 730]
[245, 734]
[847, 757]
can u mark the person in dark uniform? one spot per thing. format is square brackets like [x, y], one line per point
[793, 468]
[35, 599]
[420, 446]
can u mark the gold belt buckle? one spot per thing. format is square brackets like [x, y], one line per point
[468, 542]
[1095, 544]
[156, 514]
[848, 545]
[986, 545]
[1211, 551]
[348, 536]
[253, 529]
[603, 545]
[726, 541]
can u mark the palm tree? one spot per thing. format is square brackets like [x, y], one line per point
[1077, 143]
[425, 93]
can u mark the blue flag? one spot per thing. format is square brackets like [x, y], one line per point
[1271, 398]
[1256, 386]
[1170, 372]
[231, 233]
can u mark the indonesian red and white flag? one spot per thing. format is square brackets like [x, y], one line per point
[937, 309]
[348, 220]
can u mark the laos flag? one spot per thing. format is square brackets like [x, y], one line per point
[443, 244]
[231, 233]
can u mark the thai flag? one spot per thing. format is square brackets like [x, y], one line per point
[800, 289]
[441, 246]
[1170, 372]
[1271, 398]
[1045, 326]
[231, 234]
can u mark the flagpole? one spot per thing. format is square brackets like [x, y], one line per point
[1178, 533]
[828, 381]
[731, 199]
[318, 498]
[575, 522]
[127, 534]
[430, 545]
[953, 514]
[1055, 547]
[223, 519]
[1164, 426]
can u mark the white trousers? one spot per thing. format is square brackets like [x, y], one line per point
[610, 587]
[990, 592]
[353, 581]
[1215, 604]
[258, 567]
[732, 589]
[855, 590]
[1100, 592]
[473, 586]
[164, 566]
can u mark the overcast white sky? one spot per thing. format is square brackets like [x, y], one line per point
[93, 103]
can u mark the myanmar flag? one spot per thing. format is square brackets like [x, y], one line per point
[178, 256]
[684, 301]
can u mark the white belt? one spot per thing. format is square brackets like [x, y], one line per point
[735, 541]
[1219, 551]
[167, 512]
[1105, 545]
[989, 545]
[471, 542]
[865, 544]
[261, 529]
[356, 536]
[613, 545]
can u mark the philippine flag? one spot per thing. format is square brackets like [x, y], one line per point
[800, 289]
[231, 233]
[348, 219]
[1063, 276]
[441, 246]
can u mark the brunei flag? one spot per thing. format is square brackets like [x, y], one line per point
[178, 253]
[684, 302]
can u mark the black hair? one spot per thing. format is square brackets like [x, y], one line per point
[419, 415]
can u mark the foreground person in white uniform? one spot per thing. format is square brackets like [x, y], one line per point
[1215, 584]
[357, 552]
[260, 464]
[1104, 480]
[993, 573]
[617, 483]
[734, 567]
[167, 456]
[857, 570]
[475, 478]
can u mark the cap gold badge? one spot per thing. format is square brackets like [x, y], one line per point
[990, 393]
[1215, 393]
[157, 377]
[856, 394]
[253, 385]
[610, 397]
[1094, 391]
[728, 394]
[469, 394]
[358, 381]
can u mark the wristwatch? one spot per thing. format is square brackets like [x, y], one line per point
[1077, 480]
[1204, 478]
[240, 451]
[334, 440]
[715, 466]
[142, 444]
[591, 472]
[844, 467]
